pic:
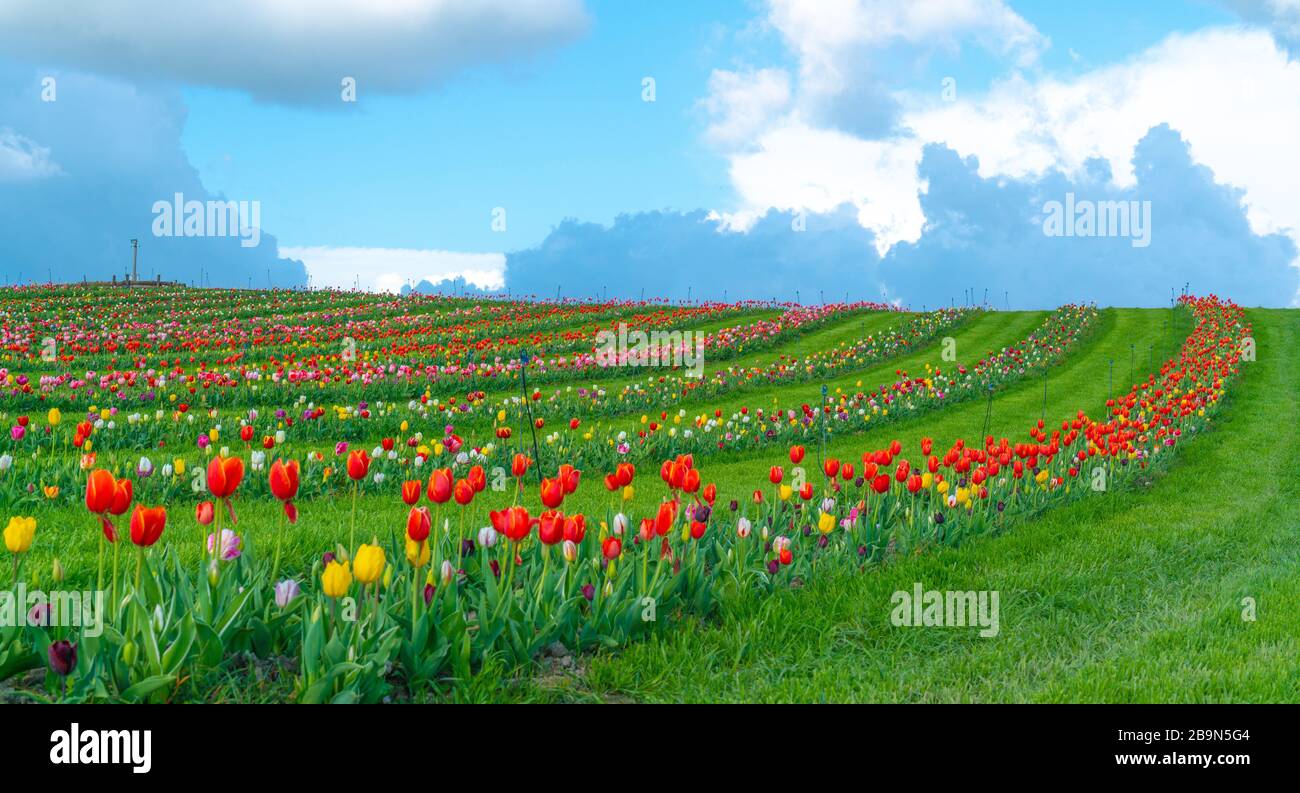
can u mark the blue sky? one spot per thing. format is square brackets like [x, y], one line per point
[763, 110]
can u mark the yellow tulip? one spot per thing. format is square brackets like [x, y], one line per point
[417, 553]
[786, 492]
[51, 491]
[213, 435]
[336, 579]
[179, 466]
[369, 563]
[54, 417]
[826, 523]
[19, 534]
[628, 493]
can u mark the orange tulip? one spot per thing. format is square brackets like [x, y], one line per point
[224, 475]
[100, 486]
[411, 491]
[552, 493]
[147, 525]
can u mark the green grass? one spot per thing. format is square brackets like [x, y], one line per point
[1132, 595]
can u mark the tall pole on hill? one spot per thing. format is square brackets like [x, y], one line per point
[135, 258]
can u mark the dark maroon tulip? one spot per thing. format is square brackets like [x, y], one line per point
[588, 591]
[773, 566]
[63, 657]
[326, 558]
[428, 594]
[496, 569]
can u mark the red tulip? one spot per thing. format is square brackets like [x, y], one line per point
[575, 528]
[477, 478]
[358, 464]
[775, 475]
[99, 491]
[611, 482]
[552, 493]
[246, 433]
[611, 548]
[666, 517]
[204, 512]
[122, 495]
[147, 525]
[418, 524]
[710, 493]
[411, 491]
[691, 481]
[284, 479]
[514, 523]
[568, 476]
[464, 492]
[624, 472]
[440, 485]
[880, 484]
[550, 527]
[224, 475]
[806, 492]
[796, 455]
[519, 465]
[831, 467]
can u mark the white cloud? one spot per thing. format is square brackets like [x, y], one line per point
[21, 159]
[743, 103]
[796, 166]
[829, 36]
[1231, 93]
[389, 269]
[286, 50]
[1280, 16]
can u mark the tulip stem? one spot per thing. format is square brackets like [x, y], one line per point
[99, 582]
[546, 566]
[116, 549]
[139, 563]
[352, 539]
[275, 566]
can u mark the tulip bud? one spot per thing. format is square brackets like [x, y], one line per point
[487, 537]
[63, 657]
[214, 572]
[129, 653]
[570, 551]
[447, 573]
[58, 571]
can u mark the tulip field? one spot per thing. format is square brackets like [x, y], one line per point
[325, 496]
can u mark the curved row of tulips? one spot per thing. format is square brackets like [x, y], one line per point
[316, 366]
[454, 589]
[55, 457]
[100, 328]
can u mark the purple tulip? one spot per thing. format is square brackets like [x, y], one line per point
[63, 657]
[286, 591]
[230, 543]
